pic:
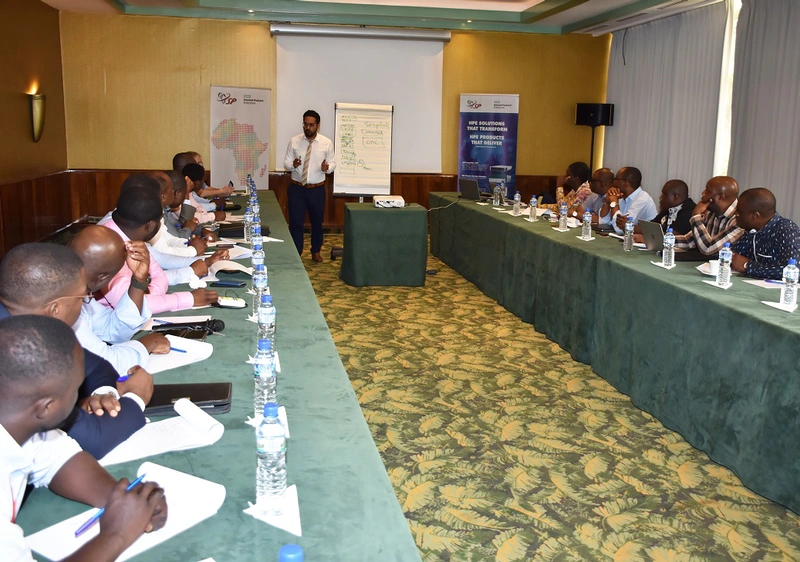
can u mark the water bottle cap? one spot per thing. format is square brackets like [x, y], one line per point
[264, 345]
[290, 553]
[669, 230]
[791, 261]
[630, 219]
[266, 298]
[259, 267]
[249, 210]
[727, 245]
[270, 410]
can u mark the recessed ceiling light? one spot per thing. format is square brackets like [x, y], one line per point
[469, 21]
[249, 11]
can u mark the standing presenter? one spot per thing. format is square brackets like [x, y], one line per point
[309, 157]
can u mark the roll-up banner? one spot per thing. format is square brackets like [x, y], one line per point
[487, 145]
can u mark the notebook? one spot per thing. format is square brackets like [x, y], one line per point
[212, 397]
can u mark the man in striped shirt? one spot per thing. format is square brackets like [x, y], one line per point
[713, 220]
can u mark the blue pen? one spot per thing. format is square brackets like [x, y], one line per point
[94, 518]
[773, 281]
[123, 378]
[178, 350]
[157, 321]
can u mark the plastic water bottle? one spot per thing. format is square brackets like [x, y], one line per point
[255, 238]
[271, 467]
[251, 185]
[562, 216]
[260, 284]
[291, 553]
[627, 242]
[789, 289]
[497, 196]
[264, 376]
[258, 255]
[248, 223]
[266, 319]
[256, 209]
[724, 272]
[532, 206]
[517, 204]
[586, 230]
[503, 192]
[668, 254]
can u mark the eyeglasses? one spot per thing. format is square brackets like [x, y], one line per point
[87, 298]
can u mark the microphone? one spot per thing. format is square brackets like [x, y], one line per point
[211, 326]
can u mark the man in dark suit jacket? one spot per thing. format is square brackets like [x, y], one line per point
[50, 280]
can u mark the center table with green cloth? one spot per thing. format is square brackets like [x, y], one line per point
[718, 366]
[384, 246]
[348, 508]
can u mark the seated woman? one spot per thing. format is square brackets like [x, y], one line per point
[574, 190]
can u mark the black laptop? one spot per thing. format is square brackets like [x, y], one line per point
[469, 189]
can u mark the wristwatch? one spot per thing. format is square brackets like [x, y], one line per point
[141, 285]
[574, 213]
[612, 204]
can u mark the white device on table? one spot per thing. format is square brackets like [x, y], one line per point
[231, 302]
[389, 201]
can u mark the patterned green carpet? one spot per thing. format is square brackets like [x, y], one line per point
[501, 447]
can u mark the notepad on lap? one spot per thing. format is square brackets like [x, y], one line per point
[192, 428]
[190, 500]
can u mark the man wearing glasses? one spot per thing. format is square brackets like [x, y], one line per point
[309, 157]
[601, 182]
[628, 199]
[49, 280]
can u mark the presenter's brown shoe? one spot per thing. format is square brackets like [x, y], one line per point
[316, 256]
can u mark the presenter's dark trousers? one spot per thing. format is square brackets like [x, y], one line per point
[302, 199]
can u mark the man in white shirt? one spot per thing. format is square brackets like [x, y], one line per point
[309, 157]
[628, 199]
[41, 370]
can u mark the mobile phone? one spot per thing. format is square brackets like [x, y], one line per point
[238, 284]
[224, 246]
[230, 183]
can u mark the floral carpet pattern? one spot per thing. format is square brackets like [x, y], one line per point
[501, 447]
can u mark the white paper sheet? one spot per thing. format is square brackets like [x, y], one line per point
[765, 283]
[660, 264]
[235, 253]
[780, 306]
[227, 265]
[190, 501]
[288, 520]
[195, 351]
[192, 428]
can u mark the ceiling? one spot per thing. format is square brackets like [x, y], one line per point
[525, 16]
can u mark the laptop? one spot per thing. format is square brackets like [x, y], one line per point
[653, 235]
[469, 189]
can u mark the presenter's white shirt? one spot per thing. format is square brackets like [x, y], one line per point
[35, 462]
[321, 149]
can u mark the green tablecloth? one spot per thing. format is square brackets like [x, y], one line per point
[717, 366]
[384, 246]
[348, 508]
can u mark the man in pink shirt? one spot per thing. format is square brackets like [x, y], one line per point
[138, 218]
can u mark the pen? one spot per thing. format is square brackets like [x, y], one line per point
[159, 321]
[93, 519]
[773, 281]
[123, 378]
[178, 350]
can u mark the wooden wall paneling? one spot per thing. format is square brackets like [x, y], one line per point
[52, 205]
[16, 202]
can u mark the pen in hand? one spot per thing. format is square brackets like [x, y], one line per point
[94, 518]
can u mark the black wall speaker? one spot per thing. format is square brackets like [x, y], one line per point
[594, 114]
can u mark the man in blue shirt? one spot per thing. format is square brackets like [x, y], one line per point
[632, 200]
[769, 239]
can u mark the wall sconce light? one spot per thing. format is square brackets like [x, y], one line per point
[37, 115]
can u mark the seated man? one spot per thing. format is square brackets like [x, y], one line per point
[632, 200]
[165, 242]
[197, 177]
[675, 206]
[103, 254]
[769, 240]
[49, 280]
[41, 369]
[601, 182]
[183, 229]
[138, 218]
[713, 219]
[205, 190]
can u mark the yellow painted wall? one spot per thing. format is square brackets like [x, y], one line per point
[550, 73]
[137, 88]
[30, 53]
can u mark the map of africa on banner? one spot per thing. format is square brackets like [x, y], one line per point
[239, 136]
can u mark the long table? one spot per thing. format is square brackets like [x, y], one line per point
[347, 505]
[717, 366]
